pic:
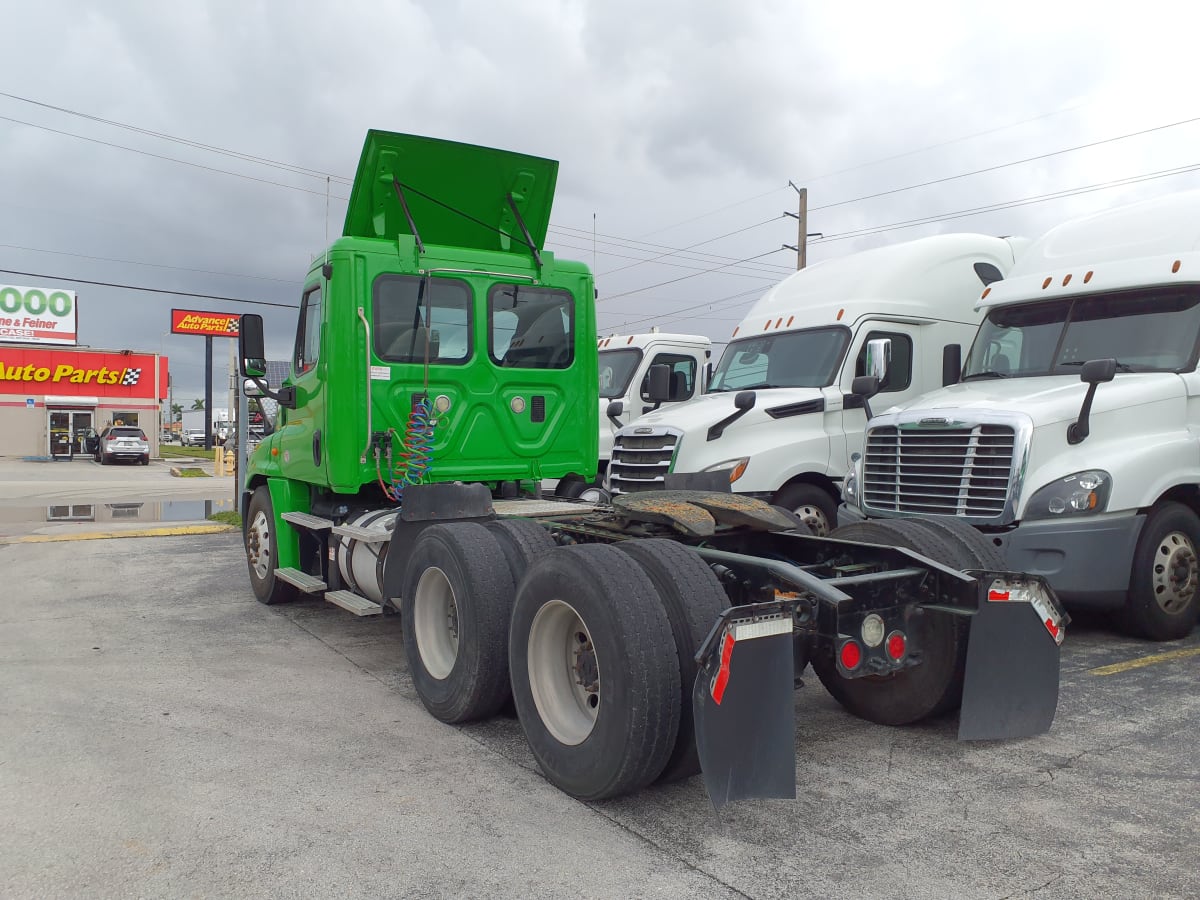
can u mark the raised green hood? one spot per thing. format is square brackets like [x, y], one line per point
[447, 185]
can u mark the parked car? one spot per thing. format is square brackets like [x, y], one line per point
[193, 437]
[122, 442]
[166, 437]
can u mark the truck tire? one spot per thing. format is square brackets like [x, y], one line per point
[935, 686]
[815, 507]
[1164, 593]
[799, 525]
[693, 599]
[262, 550]
[570, 487]
[523, 542]
[595, 674]
[982, 550]
[456, 598]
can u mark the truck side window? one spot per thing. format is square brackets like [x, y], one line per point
[409, 323]
[531, 327]
[683, 376]
[308, 335]
[899, 375]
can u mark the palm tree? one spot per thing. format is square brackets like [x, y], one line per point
[197, 403]
[176, 412]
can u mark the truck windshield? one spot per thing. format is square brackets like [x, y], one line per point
[616, 368]
[788, 359]
[1144, 331]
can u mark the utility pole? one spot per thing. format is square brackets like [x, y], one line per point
[802, 232]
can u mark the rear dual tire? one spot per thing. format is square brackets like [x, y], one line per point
[933, 687]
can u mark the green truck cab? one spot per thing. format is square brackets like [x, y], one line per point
[437, 340]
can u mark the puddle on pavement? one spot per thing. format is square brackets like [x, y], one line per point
[134, 511]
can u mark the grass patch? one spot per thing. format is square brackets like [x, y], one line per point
[170, 451]
[189, 472]
[227, 517]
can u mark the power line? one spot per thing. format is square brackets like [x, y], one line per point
[134, 287]
[762, 275]
[629, 244]
[1011, 204]
[675, 312]
[181, 162]
[236, 154]
[651, 287]
[1016, 162]
[134, 262]
[700, 244]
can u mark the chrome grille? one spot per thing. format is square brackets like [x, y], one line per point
[956, 471]
[640, 462]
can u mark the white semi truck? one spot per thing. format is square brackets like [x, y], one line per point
[778, 420]
[625, 361]
[1073, 438]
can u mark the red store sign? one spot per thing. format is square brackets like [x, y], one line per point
[79, 373]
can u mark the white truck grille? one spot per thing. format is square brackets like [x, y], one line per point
[640, 462]
[956, 471]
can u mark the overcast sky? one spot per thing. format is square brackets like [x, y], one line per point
[678, 126]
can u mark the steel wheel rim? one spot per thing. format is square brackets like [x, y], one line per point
[812, 516]
[258, 545]
[564, 672]
[435, 622]
[1175, 571]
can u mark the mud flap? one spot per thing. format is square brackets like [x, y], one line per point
[745, 715]
[1011, 684]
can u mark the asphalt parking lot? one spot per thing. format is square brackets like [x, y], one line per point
[165, 735]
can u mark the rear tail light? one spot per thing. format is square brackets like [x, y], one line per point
[897, 646]
[143, 434]
[111, 438]
[851, 655]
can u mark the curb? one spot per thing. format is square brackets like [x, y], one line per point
[215, 528]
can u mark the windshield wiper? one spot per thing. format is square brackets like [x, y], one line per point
[986, 375]
[1121, 367]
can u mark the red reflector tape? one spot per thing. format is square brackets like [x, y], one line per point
[1052, 628]
[722, 679]
[999, 596]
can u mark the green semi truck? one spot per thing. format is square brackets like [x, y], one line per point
[444, 364]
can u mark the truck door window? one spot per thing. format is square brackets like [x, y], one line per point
[899, 375]
[531, 327]
[616, 368]
[414, 316]
[683, 376]
[308, 335]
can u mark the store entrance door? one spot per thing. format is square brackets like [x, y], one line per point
[81, 430]
[69, 431]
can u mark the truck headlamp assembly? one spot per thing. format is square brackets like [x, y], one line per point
[735, 467]
[1079, 494]
[850, 489]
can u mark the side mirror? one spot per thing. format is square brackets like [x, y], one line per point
[251, 349]
[1097, 371]
[1093, 372]
[879, 355]
[951, 364]
[659, 384]
[865, 386]
[615, 408]
[744, 400]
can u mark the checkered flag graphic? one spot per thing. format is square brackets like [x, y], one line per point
[131, 376]
[235, 324]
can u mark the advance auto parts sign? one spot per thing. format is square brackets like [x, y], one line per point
[77, 373]
[209, 324]
[30, 315]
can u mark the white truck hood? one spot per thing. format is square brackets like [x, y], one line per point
[1045, 399]
[701, 413]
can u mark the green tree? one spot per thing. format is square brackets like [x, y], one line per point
[197, 403]
[176, 412]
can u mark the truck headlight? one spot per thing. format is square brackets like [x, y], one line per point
[1079, 494]
[850, 490]
[735, 467]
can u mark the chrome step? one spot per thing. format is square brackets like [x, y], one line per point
[316, 523]
[366, 535]
[310, 584]
[352, 602]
